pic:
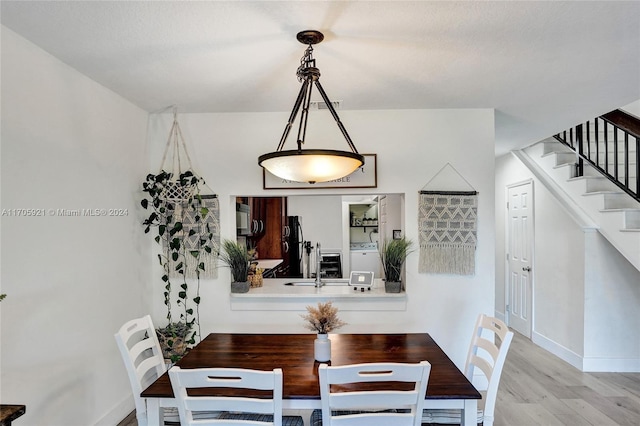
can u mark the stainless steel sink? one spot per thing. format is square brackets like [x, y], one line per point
[301, 283]
[335, 281]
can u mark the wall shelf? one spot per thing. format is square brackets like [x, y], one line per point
[364, 227]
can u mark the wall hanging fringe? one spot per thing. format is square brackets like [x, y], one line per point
[447, 222]
[195, 254]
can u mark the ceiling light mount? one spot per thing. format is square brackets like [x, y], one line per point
[310, 165]
[310, 37]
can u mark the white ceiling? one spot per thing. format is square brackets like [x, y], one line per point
[542, 65]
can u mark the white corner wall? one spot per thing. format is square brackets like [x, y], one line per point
[412, 146]
[558, 264]
[612, 317]
[633, 108]
[67, 143]
[585, 293]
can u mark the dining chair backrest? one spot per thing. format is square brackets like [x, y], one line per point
[487, 352]
[189, 405]
[357, 405]
[142, 356]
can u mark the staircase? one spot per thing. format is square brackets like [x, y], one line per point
[613, 210]
[611, 144]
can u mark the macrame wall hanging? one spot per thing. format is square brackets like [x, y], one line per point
[192, 240]
[447, 222]
[190, 196]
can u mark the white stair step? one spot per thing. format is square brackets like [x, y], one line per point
[630, 217]
[564, 171]
[611, 162]
[616, 214]
[611, 152]
[595, 183]
[565, 158]
[632, 181]
[553, 154]
[601, 183]
[589, 170]
[553, 146]
[611, 148]
[619, 200]
[632, 220]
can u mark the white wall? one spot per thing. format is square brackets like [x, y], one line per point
[558, 265]
[633, 108]
[412, 145]
[67, 143]
[559, 273]
[586, 294]
[612, 318]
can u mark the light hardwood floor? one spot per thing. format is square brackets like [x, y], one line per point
[538, 388]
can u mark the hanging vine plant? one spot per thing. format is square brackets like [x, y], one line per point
[187, 228]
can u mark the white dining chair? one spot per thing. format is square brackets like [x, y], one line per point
[142, 356]
[241, 410]
[360, 406]
[488, 351]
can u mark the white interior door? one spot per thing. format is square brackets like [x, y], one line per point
[520, 252]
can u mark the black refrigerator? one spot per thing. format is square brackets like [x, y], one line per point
[294, 241]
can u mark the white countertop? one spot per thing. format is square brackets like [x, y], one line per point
[275, 295]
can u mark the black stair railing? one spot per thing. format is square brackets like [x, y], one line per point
[610, 144]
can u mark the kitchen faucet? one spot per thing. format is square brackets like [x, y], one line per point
[318, 261]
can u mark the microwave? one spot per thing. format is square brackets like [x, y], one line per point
[243, 219]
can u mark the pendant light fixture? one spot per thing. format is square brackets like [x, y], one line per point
[310, 165]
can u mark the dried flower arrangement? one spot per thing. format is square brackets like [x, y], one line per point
[323, 319]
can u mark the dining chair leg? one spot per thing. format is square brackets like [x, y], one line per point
[470, 412]
[154, 413]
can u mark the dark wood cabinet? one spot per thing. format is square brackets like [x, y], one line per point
[258, 208]
[269, 215]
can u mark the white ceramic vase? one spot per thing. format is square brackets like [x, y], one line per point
[322, 348]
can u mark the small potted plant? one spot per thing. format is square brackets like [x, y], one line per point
[323, 320]
[393, 254]
[236, 257]
[174, 340]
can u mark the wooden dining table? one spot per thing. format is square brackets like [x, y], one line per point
[293, 353]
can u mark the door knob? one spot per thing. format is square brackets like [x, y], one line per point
[527, 269]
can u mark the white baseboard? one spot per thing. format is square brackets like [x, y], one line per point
[587, 364]
[501, 316]
[118, 413]
[611, 365]
[557, 349]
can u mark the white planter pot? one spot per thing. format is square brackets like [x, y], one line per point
[322, 348]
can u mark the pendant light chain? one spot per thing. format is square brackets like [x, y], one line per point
[310, 165]
[305, 62]
[302, 129]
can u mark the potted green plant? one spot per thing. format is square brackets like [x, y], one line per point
[169, 200]
[393, 254]
[186, 226]
[236, 257]
[174, 340]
